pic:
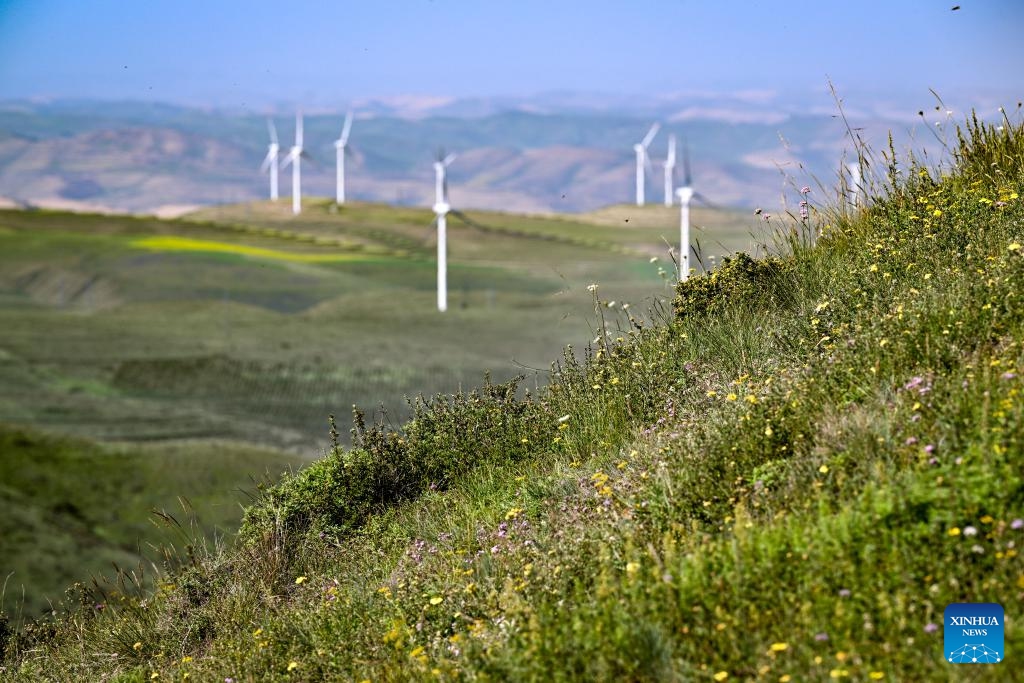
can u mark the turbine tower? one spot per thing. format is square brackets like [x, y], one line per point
[855, 185]
[270, 162]
[670, 167]
[441, 210]
[641, 161]
[341, 149]
[295, 155]
[685, 194]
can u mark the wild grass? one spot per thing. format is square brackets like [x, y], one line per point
[790, 488]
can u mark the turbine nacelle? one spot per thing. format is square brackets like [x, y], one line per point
[442, 208]
[685, 194]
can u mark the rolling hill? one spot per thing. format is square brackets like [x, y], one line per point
[151, 158]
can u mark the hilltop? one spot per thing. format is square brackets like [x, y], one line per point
[786, 477]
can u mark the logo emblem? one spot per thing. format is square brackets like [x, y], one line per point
[973, 633]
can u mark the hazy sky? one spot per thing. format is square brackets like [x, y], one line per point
[258, 52]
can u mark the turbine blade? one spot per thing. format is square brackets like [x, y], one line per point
[705, 201]
[298, 129]
[273, 131]
[346, 129]
[687, 179]
[650, 135]
[266, 162]
[287, 160]
[671, 160]
[449, 159]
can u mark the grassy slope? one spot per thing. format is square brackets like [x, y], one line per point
[786, 489]
[69, 509]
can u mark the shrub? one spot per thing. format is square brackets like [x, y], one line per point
[740, 280]
[447, 437]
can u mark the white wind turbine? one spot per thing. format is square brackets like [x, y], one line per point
[340, 147]
[441, 210]
[686, 193]
[641, 161]
[670, 167]
[856, 191]
[295, 155]
[270, 162]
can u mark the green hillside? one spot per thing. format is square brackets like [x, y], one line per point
[71, 510]
[788, 477]
[188, 358]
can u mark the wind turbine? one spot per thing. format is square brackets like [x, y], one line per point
[441, 210]
[295, 155]
[670, 167]
[270, 162]
[339, 146]
[855, 184]
[641, 161]
[685, 194]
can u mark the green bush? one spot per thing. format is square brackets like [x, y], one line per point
[447, 437]
[739, 281]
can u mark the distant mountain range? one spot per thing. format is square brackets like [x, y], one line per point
[561, 152]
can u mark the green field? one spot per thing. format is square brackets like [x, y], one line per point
[248, 324]
[241, 328]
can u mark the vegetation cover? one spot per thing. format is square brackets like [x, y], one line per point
[789, 490]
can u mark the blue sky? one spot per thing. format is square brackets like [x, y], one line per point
[260, 52]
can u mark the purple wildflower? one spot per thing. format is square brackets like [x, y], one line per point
[930, 627]
[821, 637]
[845, 593]
[1017, 524]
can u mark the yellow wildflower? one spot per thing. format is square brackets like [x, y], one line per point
[300, 580]
[779, 647]
[954, 531]
[721, 675]
[823, 469]
[876, 675]
[293, 665]
[436, 600]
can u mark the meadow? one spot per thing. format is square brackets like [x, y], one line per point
[144, 360]
[787, 478]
